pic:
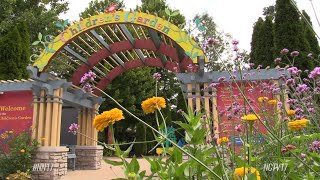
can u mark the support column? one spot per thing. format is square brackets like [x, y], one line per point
[190, 96]
[198, 97]
[89, 154]
[215, 115]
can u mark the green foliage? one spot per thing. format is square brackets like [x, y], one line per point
[10, 55]
[309, 34]
[100, 6]
[163, 10]
[262, 44]
[289, 33]
[39, 15]
[19, 155]
[19, 176]
[141, 149]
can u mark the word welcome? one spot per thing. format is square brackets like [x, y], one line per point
[42, 167]
[12, 108]
[275, 167]
[129, 17]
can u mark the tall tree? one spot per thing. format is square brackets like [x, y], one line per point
[30, 17]
[288, 32]
[309, 34]
[10, 54]
[262, 45]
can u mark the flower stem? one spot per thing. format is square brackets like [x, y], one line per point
[140, 120]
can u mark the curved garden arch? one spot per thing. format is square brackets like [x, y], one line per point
[112, 43]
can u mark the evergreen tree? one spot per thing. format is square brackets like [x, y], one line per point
[255, 41]
[10, 54]
[262, 52]
[288, 33]
[25, 50]
[309, 35]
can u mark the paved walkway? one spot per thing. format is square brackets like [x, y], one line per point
[106, 172]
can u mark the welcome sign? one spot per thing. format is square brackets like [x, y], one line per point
[15, 111]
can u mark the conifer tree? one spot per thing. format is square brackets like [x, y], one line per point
[289, 33]
[10, 54]
[309, 35]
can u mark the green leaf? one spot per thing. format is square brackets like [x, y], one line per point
[197, 21]
[35, 43]
[175, 13]
[59, 25]
[167, 12]
[202, 28]
[133, 166]
[39, 36]
[142, 174]
[154, 166]
[199, 136]
[195, 55]
[176, 156]
[65, 22]
[114, 163]
[126, 152]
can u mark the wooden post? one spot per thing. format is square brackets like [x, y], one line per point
[198, 97]
[48, 124]
[60, 91]
[41, 119]
[215, 114]
[35, 120]
[189, 94]
[206, 99]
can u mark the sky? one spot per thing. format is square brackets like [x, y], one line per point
[235, 17]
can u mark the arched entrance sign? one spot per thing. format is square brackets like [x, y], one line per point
[112, 43]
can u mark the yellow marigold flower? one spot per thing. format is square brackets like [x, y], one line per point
[249, 117]
[240, 173]
[291, 112]
[263, 99]
[152, 104]
[103, 120]
[43, 139]
[22, 151]
[298, 124]
[272, 102]
[223, 140]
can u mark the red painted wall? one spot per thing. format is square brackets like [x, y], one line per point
[15, 111]
[225, 99]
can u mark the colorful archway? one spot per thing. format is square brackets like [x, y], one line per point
[112, 43]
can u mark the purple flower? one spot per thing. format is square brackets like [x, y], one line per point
[284, 51]
[294, 53]
[302, 88]
[235, 48]
[314, 146]
[156, 76]
[310, 55]
[303, 156]
[315, 73]
[277, 60]
[73, 128]
[290, 82]
[90, 76]
[279, 104]
[235, 42]
[238, 128]
[276, 90]
[213, 85]
[293, 70]
[221, 79]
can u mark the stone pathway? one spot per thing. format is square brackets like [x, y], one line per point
[107, 171]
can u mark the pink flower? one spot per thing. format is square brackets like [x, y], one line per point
[156, 76]
[284, 51]
[73, 128]
[238, 128]
[235, 42]
[315, 73]
[277, 60]
[294, 53]
[288, 147]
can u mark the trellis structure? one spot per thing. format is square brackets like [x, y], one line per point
[107, 44]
